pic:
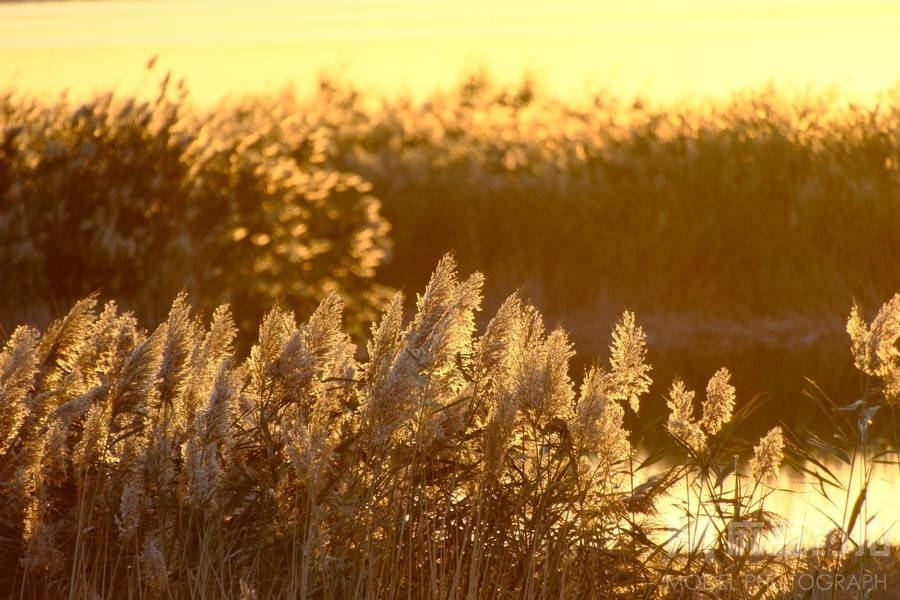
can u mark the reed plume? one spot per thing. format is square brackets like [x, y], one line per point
[447, 461]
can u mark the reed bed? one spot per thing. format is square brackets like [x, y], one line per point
[771, 205]
[443, 461]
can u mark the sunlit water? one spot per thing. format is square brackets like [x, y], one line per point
[661, 49]
[808, 512]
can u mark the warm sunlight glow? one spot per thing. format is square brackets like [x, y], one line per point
[660, 49]
[482, 299]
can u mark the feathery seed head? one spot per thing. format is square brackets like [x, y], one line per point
[385, 396]
[627, 358]
[719, 404]
[18, 366]
[135, 388]
[180, 339]
[493, 348]
[681, 423]
[598, 424]
[558, 394]
[858, 330]
[445, 319]
[55, 452]
[219, 341]
[309, 448]
[276, 328]
[768, 455]
[113, 338]
[61, 343]
[876, 347]
[91, 448]
[385, 343]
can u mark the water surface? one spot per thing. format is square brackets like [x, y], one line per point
[661, 49]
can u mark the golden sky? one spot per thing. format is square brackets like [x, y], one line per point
[661, 49]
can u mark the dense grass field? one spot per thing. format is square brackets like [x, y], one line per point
[739, 229]
[298, 423]
[452, 462]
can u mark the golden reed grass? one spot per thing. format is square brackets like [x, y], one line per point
[446, 463]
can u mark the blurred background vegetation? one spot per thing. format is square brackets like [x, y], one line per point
[739, 231]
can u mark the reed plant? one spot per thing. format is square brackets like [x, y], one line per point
[445, 461]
